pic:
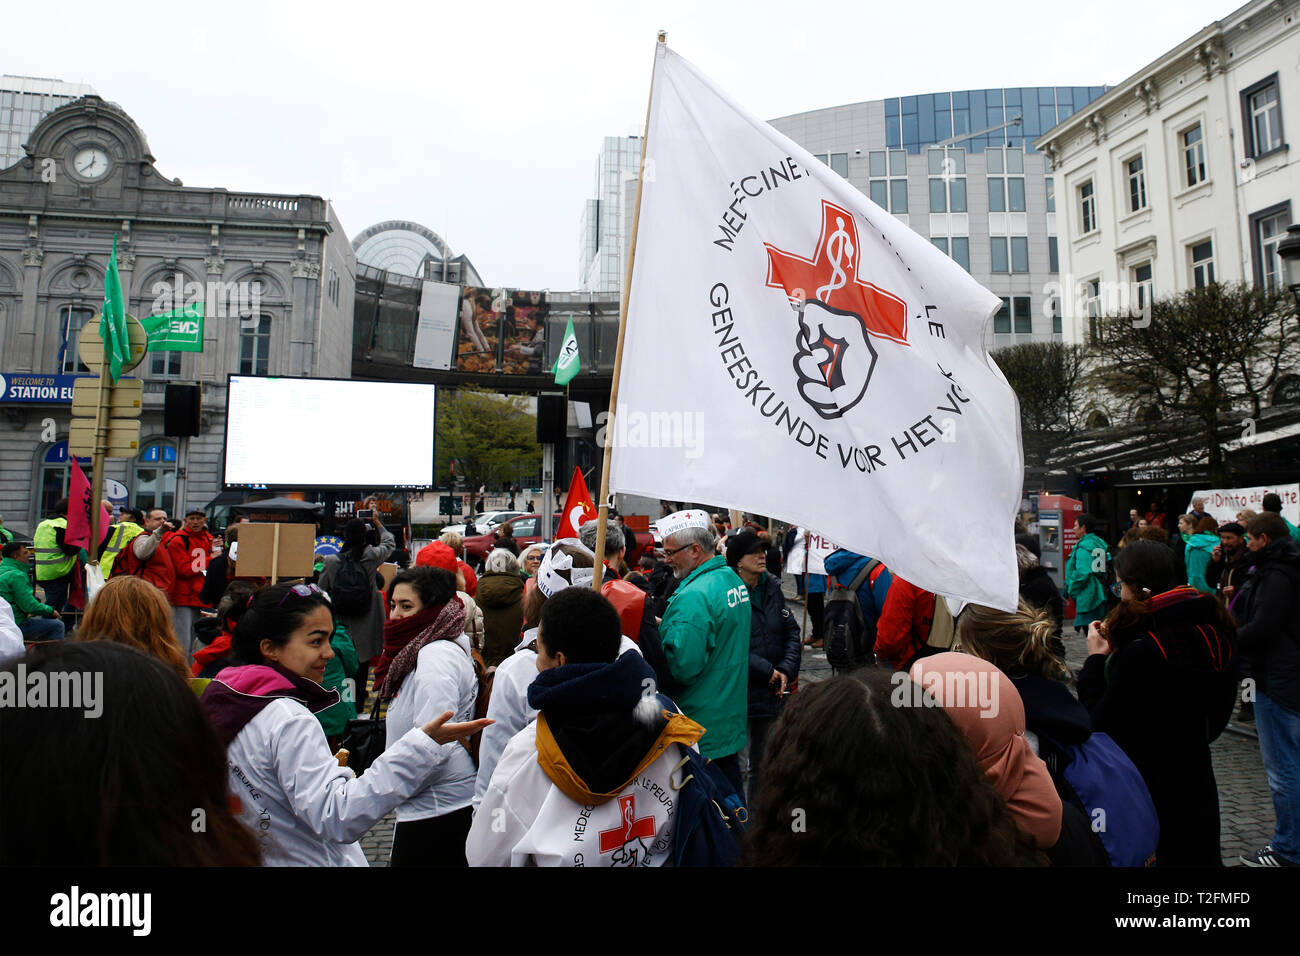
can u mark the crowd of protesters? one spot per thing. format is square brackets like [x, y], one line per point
[511, 704]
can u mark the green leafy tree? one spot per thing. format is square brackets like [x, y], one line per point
[1204, 359]
[1047, 378]
[493, 437]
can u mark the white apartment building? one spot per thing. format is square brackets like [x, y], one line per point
[1181, 174]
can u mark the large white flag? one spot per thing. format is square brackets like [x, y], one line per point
[794, 350]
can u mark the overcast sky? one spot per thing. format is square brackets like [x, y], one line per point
[483, 121]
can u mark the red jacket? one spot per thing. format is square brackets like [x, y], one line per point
[190, 553]
[471, 579]
[157, 570]
[904, 623]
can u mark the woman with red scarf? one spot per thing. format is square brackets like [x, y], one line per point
[1161, 680]
[424, 670]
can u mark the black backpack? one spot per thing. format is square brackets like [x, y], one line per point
[353, 589]
[848, 642]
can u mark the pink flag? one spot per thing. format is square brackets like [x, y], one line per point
[80, 501]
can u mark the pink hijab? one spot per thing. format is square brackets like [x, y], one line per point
[986, 707]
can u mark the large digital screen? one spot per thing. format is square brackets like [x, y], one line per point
[328, 433]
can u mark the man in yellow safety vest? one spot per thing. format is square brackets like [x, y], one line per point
[56, 560]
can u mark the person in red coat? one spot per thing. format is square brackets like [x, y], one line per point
[190, 549]
[904, 623]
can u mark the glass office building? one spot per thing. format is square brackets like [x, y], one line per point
[24, 102]
[960, 168]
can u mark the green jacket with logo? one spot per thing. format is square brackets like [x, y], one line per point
[16, 588]
[1082, 585]
[705, 635]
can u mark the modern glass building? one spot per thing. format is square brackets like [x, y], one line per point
[24, 102]
[606, 226]
[960, 168]
[412, 250]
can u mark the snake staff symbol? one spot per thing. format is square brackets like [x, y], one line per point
[835, 356]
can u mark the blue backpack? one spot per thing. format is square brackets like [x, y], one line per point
[711, 816]
[1110, 790]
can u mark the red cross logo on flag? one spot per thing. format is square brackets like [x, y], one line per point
[630, 829]
[831, 277]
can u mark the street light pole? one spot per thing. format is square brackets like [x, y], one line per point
[1288, 250]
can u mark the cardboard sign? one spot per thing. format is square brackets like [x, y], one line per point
[388, 571]
[268, 550]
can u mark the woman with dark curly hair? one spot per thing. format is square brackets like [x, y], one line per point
[1161, 680]
[877, 784]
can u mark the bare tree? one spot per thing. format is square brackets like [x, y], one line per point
[1047, 378]
[1199, 362]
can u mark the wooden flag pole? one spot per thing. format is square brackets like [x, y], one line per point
[603, 507]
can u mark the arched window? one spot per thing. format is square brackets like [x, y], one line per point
[1097, 419]
[52, 481]
[155, 476]
[1148, 414]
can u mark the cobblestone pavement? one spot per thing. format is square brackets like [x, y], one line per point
[1245, 806]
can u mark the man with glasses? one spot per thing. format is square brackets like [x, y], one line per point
[705, 633]
[143, 555]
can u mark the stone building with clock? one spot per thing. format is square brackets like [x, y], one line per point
[276, 273]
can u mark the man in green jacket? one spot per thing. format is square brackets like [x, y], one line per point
[705, 634]
[1085, 572]
[37, 621]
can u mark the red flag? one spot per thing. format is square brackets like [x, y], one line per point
[578, 508]
[80, 501]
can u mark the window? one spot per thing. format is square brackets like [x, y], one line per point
[1020, 311]
[888, 179]
[254, 347]
[1262, 117]
[1054, 310]
[1092, 306]
[1268, 229]
[1193, 143]
[332, 286]
[998, 248]
[165, 364]
[1087, 209]
[1006, 191]
[958, 247]
[947, 169]
[1144, 286]
[840, 164]
[1002, 321]
[72, 318]
[1019, 253]
[1013, 310]
[1050, 185]
[1053, 255]
[961, 251]
[1202, 263]
[155, 477]
[1137, 184]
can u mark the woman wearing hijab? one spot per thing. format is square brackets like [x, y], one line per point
[426, 669]
[986, 707]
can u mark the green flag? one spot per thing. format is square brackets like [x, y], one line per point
[112, 321]
[569, 363]
[179, 330]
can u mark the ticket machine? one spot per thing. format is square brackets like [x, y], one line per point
[1056, 537]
